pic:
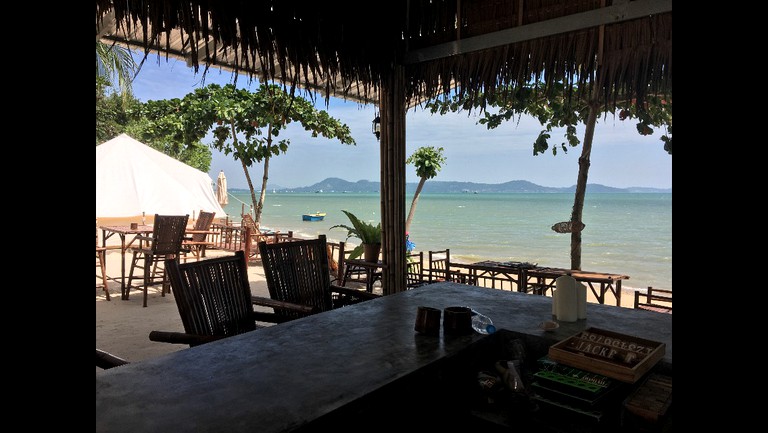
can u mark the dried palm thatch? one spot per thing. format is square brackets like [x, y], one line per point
[342, 50]
[409, 51]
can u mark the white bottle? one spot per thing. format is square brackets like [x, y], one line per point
[581, 301]
[554, 302]
[482, 324]
[567, 303]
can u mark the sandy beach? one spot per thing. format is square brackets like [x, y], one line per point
[123, 326]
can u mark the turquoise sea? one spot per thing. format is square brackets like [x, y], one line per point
[625, 233]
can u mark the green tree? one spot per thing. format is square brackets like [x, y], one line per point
[567, 107]
[247, 125]
[150, 123]
[111, 114]
[116, 66]
[165, 125]
[428, 161]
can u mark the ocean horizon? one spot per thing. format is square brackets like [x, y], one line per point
[625, 233]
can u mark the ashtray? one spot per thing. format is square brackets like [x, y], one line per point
[549, 325]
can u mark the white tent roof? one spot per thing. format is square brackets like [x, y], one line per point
[132, 178]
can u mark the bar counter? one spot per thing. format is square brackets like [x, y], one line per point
[295, 375]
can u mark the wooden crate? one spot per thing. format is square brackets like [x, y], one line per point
[619, 356]
[650, 401]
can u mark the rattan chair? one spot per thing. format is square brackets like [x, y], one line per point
[297, 273]
[197, 242]
[214, 300]
[164, 243]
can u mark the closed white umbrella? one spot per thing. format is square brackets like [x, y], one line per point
[221, 189]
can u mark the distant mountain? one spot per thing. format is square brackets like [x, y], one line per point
[334, 184]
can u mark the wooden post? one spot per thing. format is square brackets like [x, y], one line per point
[340, 270]
[247, 243]
[392, 150]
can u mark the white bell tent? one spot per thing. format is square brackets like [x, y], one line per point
[132, 178]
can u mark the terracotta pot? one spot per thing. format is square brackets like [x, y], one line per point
[371, 252]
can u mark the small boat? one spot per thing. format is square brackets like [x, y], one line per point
[317, 216]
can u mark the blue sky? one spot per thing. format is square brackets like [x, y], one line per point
[620, 156]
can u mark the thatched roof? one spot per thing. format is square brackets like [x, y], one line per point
[347, 50]
[406, 51]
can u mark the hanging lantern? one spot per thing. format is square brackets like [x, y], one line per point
[376, 127]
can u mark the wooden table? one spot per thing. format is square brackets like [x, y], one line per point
[608, 283]
[189, 243]
[325, 367]
[109, 231]
[538, 280]
[494, 272]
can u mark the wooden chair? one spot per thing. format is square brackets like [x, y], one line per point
[297, 272]
[106, 360]
[336, 252]
[101, 263]
[197, 242]
[164, 243]
[414, 270]
[659, 300]
[257, 235]
[214, 300]
[343, 273]
[439, 265]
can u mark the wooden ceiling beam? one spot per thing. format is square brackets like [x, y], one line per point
[620, 11]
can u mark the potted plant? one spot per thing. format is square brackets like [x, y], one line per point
[369, 235]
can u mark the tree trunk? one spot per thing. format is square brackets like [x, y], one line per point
[581, 187]
[250, 183]
[259, 206]
[263, 195]
[413, 204]
[586, 151]
[242, 163]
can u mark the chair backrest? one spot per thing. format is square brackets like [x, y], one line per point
[337, 253]
[659, 300]
[414, 265]
[248, 222]
[168, 233]
[439, 265]
[213, 295]
[204, 222]
[297, 272]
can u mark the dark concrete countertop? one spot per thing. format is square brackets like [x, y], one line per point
[283, 377]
